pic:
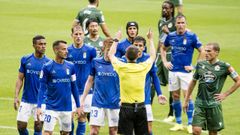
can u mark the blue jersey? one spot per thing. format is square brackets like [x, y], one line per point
[121, 48]
[81, 57]
[59, 82]
[182, 49]
[31, 67]
[106, 92]
[150, 77]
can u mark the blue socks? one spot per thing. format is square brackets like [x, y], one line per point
[177, 110]
[81, 129]
[151, 133]
[72, 131]
[190, 112]
[37, 133]
[23, 132]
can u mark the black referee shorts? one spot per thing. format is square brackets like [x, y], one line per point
[132, 117]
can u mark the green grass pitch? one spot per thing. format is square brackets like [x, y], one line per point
[211, 20]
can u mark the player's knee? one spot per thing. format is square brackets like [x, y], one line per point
[82, 119]
[196, 131]
[93, 132]
[175, 96]
[21, 125]
[113, 130]
[38, 126]
[64, 133]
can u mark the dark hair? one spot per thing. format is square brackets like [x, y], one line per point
[140, 39]
[57, 43]
[77, 27]
[215, 46]
[37, 37]
[90, 21]
[91, 1]
[131, 23]
[132, 53]
[171, 6]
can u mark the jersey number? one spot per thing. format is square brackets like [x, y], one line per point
[94, 113]
[47, 118]
[84, 26]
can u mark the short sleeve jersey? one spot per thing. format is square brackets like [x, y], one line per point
[132, 79]
[121, 48]
[211, 79]
[148, 81]
[58, 78]
[182, 49]
[106, 92]
[89, 12]
[31, 67]
[98, 44]
[82, 58]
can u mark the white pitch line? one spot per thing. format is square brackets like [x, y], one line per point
[14, 128]
[6, 98]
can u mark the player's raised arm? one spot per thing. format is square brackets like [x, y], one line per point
[151, 45]
[105, 30]
[113, 48]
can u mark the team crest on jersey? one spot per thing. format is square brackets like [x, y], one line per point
[41, 74]
[100, 43]
[184, 41]
[203, 67]
[217, 68]
[67, 71]
[170, 25]
[84, 55]
[160, 24]
[29, 64]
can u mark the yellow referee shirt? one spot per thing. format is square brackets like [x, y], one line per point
[132, 79]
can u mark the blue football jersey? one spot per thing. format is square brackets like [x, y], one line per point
[31, 67]
[81, 57]
[149, 78]
[59, 82]
[106, 92]
[182, 49]
[121, 48]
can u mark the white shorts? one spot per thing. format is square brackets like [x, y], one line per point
[26, 110]
[149, 112]
[97, 116]
[179, 80]
[64, 118]
[87, 104]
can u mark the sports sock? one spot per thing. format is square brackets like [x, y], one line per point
[23, 132]
[170, 113]
[37, 133]
[72, 131]
[190, 112]
[178, 110]
[81, 128]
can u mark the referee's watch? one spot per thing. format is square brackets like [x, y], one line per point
[115, 40]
